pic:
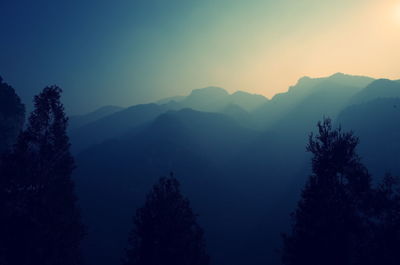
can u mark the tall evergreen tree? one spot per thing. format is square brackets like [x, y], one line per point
[40, 222]
[12, 115]
[165, 230]
[383, 244]
[329, 222]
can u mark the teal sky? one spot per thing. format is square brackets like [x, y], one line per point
[128, 52]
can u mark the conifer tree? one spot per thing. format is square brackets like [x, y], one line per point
[41, 223]
[329, 222]
[12, 115]
[383, 243]
[165, 230]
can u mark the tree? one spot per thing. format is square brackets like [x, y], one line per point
[41, 223]
[383, 244]
[329, 222]
[165, 230]
[12, 115]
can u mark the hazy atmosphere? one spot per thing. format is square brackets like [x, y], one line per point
[200, 132]
[128, 52]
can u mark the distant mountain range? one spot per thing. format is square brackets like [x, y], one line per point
[81, 120]
[109, 122]
[237, 155]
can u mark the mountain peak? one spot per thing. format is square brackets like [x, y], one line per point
[381, 81]
[338, 78]
[339, 74]
[304, 78]
[240, 92]
[212, 90]
[380, 88]
[383, 85]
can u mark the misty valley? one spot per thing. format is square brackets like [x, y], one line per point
[309, 176]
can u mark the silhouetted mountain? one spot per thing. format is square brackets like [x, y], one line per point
[238, 114]
[235, 160]
[349, 80]
[307, 93]
[327, 99]
[87, 130]
[381, 88]
[114, 125]
[170, 99]
[80, 120]
[247, 101]
[206, 99]
[188, 142]
[377, 124]
[215, 99]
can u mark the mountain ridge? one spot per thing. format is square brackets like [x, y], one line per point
[229, 160]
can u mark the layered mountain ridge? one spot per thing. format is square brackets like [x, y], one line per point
[236, 155]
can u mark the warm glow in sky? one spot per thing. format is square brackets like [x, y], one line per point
[396, 13]
[126, 52]
[360, 38]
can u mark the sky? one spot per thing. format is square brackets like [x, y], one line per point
[124, 52]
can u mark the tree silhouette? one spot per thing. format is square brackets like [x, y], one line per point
[12, 114]
[383, 244]
[40, 220]
[329, 222]
[165, 230]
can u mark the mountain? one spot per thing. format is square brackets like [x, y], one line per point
[169, 99]
[206, 99]
[377, 124]
[374, 116]
[114, 125]
[214, 99]
[238, 114]
[235, 160]
[349, 80]
[381, 88]
[78, 121]
[311, 94]
[109, 122]
[327, 99]
[247, 101]
[195, 145]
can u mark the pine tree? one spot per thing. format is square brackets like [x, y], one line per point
[41, 223]
[329, 222]
[12, 115]
[165, 230]
[383, 244]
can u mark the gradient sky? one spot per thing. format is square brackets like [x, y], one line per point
[126, 52]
